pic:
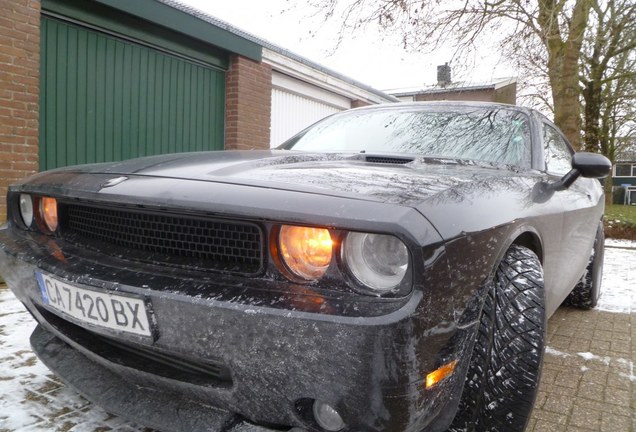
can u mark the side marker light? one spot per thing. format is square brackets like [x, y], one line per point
[440, 374]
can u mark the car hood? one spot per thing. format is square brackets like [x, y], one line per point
[364, 177]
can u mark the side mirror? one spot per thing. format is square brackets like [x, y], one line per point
[590, 165]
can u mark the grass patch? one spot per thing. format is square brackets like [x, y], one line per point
[620, 222]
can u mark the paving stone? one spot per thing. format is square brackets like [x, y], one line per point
[551, 417]
[615, 423]
[595, 376]
[569, 379]
[619, 382]
[617, 397]
[585, 419]
[599, 345]
[579, 345]
[561, 404]
[546, 426]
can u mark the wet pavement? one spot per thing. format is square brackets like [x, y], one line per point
[588, 383]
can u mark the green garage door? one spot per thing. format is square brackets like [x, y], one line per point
[106, 99]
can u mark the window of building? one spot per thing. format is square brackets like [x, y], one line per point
[625, 170]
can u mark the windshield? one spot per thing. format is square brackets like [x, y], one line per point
[489, 134]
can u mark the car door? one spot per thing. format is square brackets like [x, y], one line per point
[582, 205]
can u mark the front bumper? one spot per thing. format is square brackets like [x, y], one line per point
[371, 369]
[112, 392]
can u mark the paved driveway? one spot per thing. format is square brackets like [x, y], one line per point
[588, 383]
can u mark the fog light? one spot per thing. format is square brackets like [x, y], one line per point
[327, 417]
[26, 209]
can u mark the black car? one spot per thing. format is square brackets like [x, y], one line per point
[390, 268]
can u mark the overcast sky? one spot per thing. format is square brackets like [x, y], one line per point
[379, 62]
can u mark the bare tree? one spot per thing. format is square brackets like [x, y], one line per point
[558, 25]
[608, 75]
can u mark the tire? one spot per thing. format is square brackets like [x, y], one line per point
[586, 293]
[505, 365]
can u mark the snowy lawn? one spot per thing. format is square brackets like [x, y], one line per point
[32, 399]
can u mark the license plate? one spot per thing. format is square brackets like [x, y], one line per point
[113, 311]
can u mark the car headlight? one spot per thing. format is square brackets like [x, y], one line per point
[48, 211]
[378, 261]
[26, 209]
[306, 251]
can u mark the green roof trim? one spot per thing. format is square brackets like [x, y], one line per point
[160, 25]
[179, 21]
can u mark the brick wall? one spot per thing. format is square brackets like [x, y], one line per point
[19, 90]
[248, 101]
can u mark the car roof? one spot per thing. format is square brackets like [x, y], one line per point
[445, 104]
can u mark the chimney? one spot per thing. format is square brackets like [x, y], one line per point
[443, 75]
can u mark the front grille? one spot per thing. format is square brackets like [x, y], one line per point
[164, 238]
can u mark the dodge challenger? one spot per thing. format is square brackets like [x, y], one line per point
[390, 268]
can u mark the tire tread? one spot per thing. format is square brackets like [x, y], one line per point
[505, 367]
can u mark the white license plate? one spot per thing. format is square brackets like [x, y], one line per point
[107, 310]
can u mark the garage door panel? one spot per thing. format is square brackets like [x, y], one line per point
[106, 99]
[292, 113]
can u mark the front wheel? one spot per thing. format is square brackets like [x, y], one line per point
[505, 366]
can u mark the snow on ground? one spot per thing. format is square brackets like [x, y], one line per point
[619, 277]
[619, 243]
[33, 399]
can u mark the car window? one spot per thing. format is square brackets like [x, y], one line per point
[558, 157]
[498, 135]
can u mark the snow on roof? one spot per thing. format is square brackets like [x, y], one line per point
[494, 84]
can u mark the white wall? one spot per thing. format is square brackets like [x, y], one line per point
[297, 104]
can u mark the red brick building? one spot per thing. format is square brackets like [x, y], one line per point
[19, 87]
[503, 90]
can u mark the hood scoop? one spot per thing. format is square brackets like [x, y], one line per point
[388, 159]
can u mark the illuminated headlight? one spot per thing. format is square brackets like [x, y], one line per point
[26, 209]
[306, 251]
[378, 261]
[48, 211]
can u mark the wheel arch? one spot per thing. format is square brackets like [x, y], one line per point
[530, 239]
